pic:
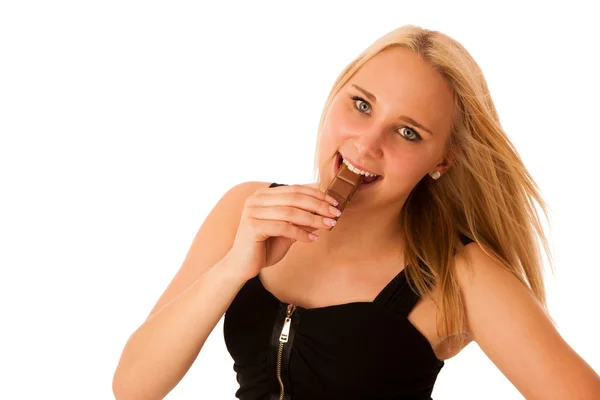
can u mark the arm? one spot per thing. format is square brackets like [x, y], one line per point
[512, 329]
[160, 352]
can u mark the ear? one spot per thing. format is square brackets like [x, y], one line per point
[444, 164]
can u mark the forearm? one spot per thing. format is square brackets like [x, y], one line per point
[161, 351]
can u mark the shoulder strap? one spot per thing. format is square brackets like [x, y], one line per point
[277, 184]
[398, 295]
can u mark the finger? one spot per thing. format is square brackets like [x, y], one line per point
[292, 215]
[302, 189]
[307, 228]
[276, 228]
[296, 198]
[319, 194]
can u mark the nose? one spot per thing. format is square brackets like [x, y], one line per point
[368, 144]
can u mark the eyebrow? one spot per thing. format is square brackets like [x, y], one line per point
[406, 118]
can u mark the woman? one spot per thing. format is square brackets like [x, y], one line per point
[440, 250]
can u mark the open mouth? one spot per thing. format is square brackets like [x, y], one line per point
[367, 181]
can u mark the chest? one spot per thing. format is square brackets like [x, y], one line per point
[313, 281]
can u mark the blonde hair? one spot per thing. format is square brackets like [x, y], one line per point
[487, 195]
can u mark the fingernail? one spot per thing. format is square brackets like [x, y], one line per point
[335, 211]
[329, 221]
[332, 200]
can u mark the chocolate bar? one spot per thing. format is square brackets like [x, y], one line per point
[343, 186]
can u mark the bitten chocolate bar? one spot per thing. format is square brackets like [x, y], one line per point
[343, 186]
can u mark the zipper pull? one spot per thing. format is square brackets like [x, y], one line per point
[285, 332]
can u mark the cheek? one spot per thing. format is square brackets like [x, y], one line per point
[339, 123]
[409, 164]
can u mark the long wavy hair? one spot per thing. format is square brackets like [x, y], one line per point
[487, 195]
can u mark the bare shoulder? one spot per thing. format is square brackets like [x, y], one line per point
[511, 327]
[473, 262]
[228, 210]
[237, 195]
[212, 241]
[220, 226]
[487, 286]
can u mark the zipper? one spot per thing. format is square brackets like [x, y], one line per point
[283, 339]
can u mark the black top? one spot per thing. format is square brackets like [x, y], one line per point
[359, 350]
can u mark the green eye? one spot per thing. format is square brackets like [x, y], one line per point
[414, 137]
[360, 104]
[363, 107]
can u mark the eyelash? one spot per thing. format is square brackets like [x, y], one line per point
[418, 137]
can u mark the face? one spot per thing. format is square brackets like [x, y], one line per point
[393, 118]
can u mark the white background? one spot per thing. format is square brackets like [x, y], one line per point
[123, 122]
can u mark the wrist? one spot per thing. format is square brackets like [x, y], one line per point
[231, 267]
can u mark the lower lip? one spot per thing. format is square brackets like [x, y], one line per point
[363, 186]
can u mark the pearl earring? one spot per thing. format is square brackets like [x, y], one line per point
[436, 175]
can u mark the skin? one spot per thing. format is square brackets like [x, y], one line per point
[503, 317]
[371, 134]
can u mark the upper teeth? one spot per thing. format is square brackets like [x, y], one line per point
[357, 170]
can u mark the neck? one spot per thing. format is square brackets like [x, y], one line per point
[362, 232]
